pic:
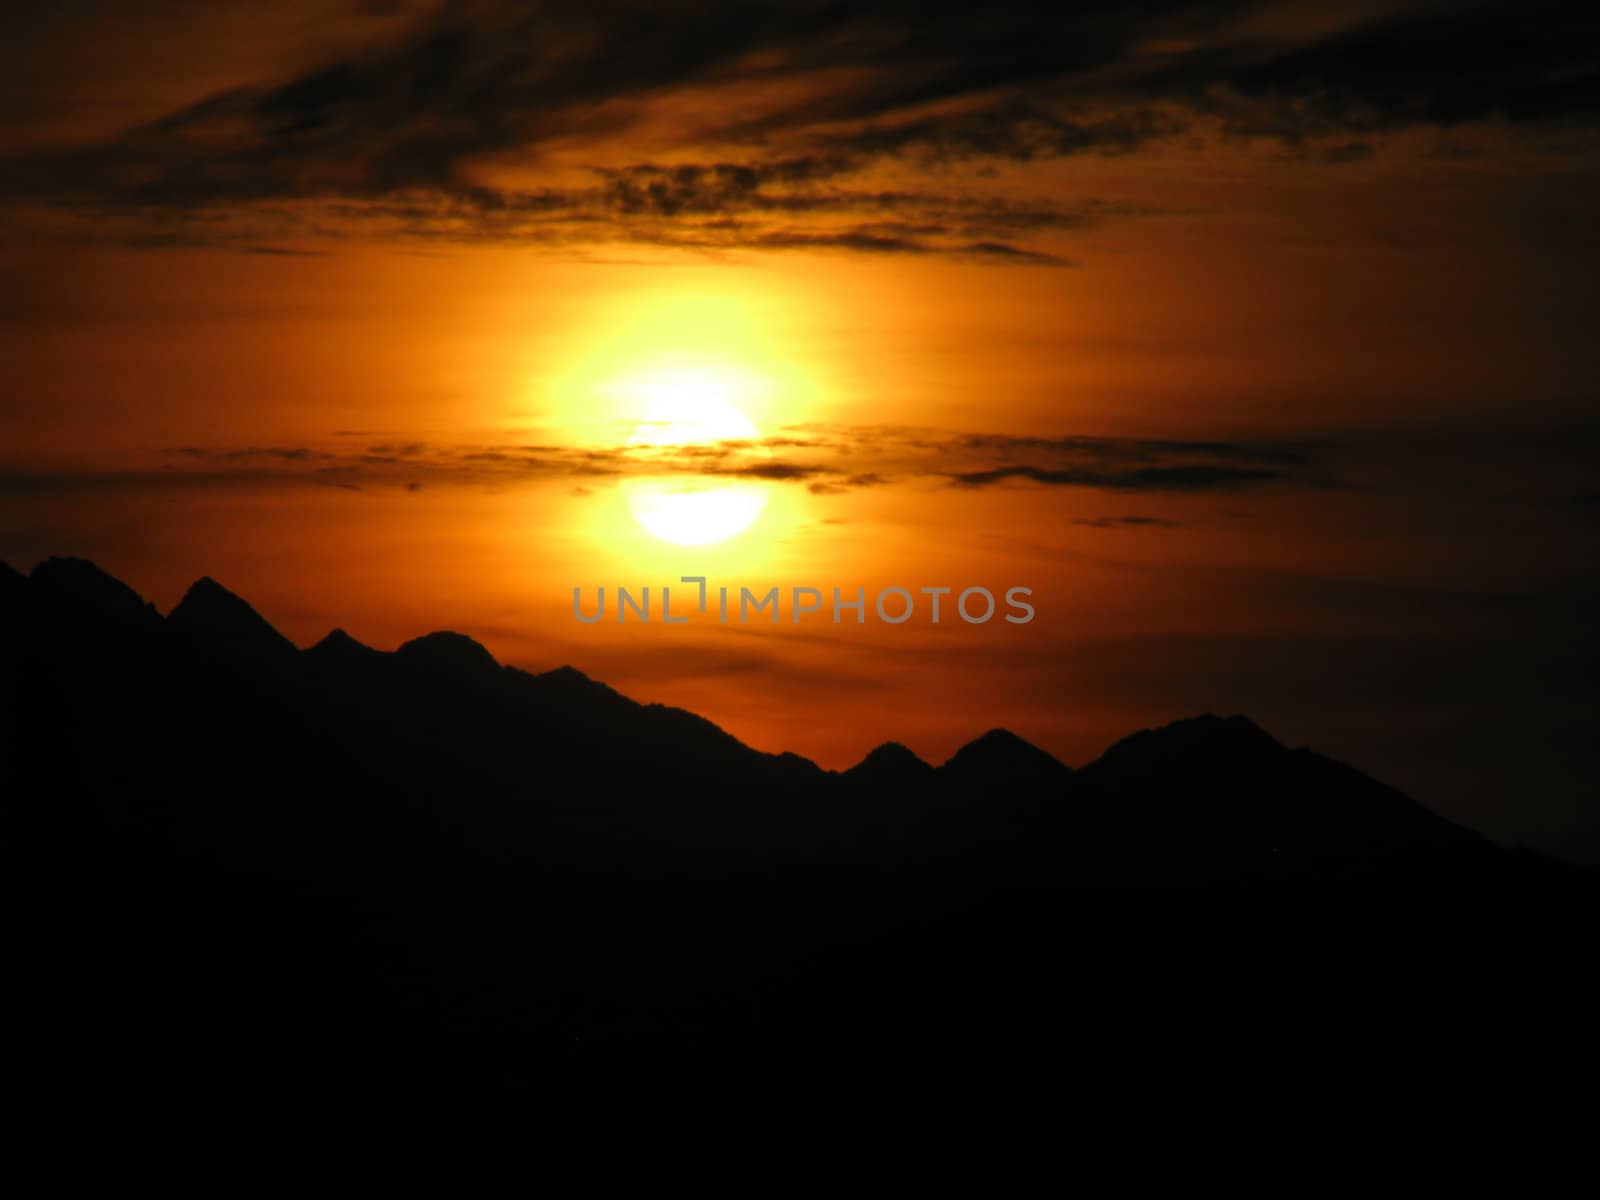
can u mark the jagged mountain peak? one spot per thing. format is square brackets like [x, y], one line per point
[338, 645]
[210, 613]
[1204, 795]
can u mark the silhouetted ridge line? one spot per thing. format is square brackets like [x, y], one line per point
[76, 588]
[212, 615]
[891, 760]
[438, 751]
[569, 681]
[339, 646]
[366, 874]
[1207, 735]
[449, 652]
[1002, 751]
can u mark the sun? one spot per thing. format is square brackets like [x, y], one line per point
[693, 439]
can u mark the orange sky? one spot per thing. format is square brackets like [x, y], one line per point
[1267, 425]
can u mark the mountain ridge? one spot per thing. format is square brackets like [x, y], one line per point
[677, 785]
[271, 871]
[211, 614]
[208, 611]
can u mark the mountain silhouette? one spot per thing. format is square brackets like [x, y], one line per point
[338, 647]
[448, 654]
[350, 849]
[216, 621]
[75, 590]
[890, 763]
[1001, 754]
[427, 750]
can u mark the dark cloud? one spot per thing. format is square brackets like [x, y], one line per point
[1187, 477]
[828, 460]
[718, 187]
[1129, 523]
[1134, 450]
[390, 139]
[243, 453]
[1442, 65]
[773, 471]
[847, 483]
[880, 241]
[1016, 130]
[1130, 464]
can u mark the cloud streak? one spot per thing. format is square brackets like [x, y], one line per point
[828, 460]
[770, 126]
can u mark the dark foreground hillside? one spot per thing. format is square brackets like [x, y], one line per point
[258, 873]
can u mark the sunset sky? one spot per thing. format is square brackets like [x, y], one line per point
[1258, 340]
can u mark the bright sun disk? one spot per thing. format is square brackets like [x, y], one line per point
[690, 415]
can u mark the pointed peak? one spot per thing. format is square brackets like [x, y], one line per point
[1001, 751]
[568, 685]
[340, 645]
[568, 680]
[448, 651]
[206, 587]
[998, 737]
[210, 613]
[207, 595]
[78, 587]
[892, 752]
[891, 758]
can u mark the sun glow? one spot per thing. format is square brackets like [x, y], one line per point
[695, 442]
[673, 389]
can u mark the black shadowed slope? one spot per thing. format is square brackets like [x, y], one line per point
[342, 847]
[214, 621]
[890, 762]
[74, 589]
[1219, 798]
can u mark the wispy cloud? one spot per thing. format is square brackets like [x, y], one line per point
[828, 460]
[813, 101]
[1128, 523]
